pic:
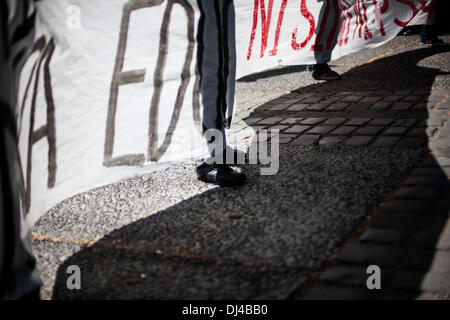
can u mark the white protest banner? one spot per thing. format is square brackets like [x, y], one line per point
[109, 89]
[273, 33]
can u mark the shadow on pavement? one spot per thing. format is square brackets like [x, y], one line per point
[262, 240]
[407, 237]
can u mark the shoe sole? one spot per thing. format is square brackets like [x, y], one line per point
[225, 183]
[328, 79]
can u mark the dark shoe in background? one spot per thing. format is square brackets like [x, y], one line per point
[322, 71]
[428, 35]
[410, 30]
[432, 42]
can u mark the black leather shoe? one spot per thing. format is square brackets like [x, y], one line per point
[221, 174]
[323, 72]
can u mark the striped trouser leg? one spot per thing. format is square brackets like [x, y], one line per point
[216, 60]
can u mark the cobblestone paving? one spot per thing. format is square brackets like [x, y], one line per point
[353, 118]
[409, 234]
[408, 238]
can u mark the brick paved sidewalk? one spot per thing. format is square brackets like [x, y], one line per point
[380, 118]
[408, 236]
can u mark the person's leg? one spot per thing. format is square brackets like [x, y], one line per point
[322, 46]
[230, 57]
[428, 33]
[217, 69]
[18, 276]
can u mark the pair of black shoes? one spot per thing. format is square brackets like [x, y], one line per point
[220, 174]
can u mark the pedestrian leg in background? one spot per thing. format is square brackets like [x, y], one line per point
[18, 277]
[428, 33]
[216, 60]
[326, 39]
